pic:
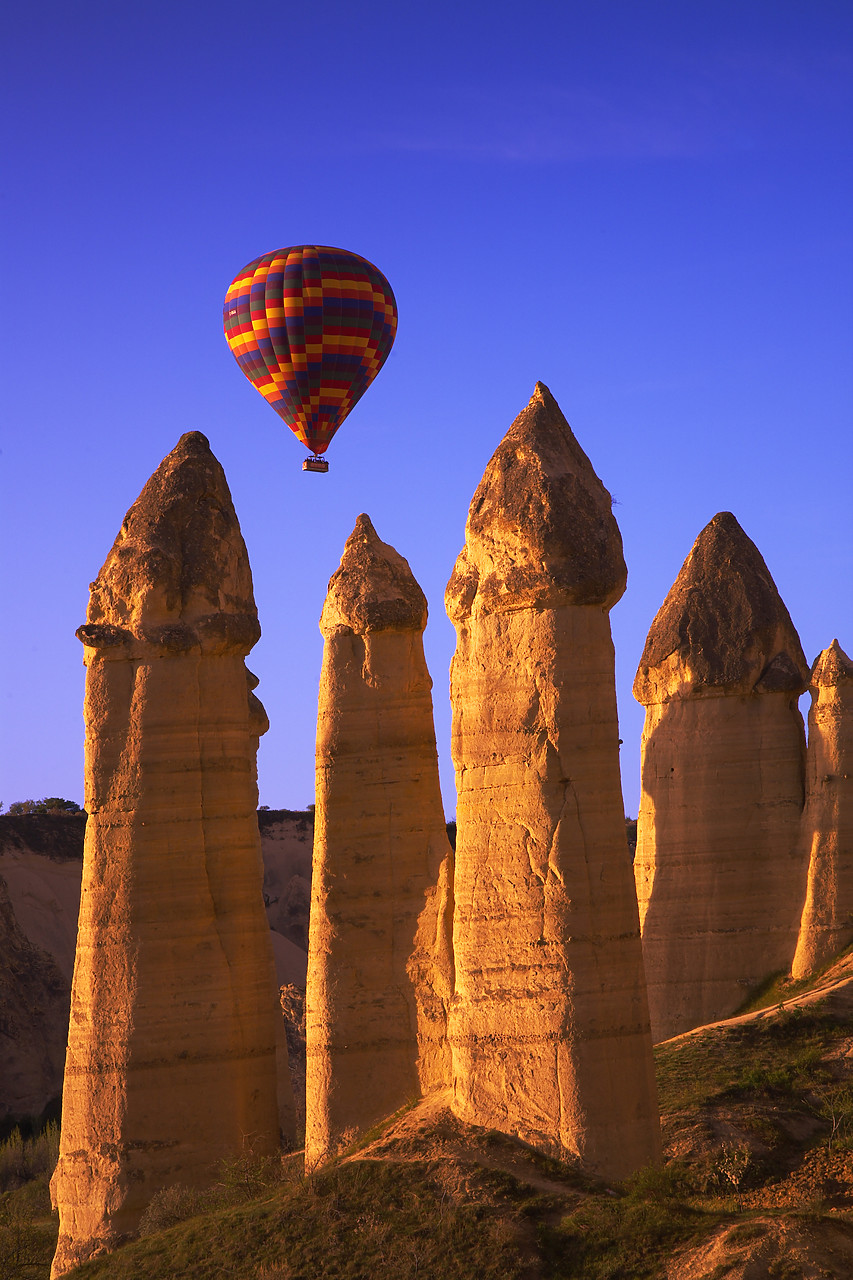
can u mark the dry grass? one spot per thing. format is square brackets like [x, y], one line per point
[758, 1125]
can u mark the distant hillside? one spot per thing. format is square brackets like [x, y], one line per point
[57, 836]
[41, 864]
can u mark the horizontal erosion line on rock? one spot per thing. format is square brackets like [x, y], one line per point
[697, 931]
[372, 1046]
[567, 1033]
[468, 919]
[185, 1058]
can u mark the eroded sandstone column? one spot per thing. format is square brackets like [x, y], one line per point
[549, 1025]
[380, 972]
[720, 881]
[171, 1059]
[827, 828]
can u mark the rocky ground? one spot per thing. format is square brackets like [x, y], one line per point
[757, 1183]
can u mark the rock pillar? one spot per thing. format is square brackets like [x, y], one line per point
[549, 1024]
[171, 1060]
[827, 924]
[380, 971]
[720, 881]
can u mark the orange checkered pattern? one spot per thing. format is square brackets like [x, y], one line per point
[310, 327]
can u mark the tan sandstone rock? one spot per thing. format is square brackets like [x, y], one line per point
[41, 864]
[827, 923]
[171, 1059]
[379, 961]
[549, 1024]
[720, 881]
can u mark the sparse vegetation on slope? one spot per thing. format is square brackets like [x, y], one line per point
[357, 1218]
[758, 1182]
[761, 1107]
[27, 1228]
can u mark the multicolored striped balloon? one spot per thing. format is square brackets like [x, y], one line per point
[310, 327]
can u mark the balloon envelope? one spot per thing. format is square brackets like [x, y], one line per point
[310, 327]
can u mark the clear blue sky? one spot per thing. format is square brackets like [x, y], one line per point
[644, 205]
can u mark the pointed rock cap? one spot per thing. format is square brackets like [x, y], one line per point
[832, 667]
[541, 532]
[373, 590]
[178, 573]
[723, 627]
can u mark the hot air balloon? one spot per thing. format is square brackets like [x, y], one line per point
[310, 327]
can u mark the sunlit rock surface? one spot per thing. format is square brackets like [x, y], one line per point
[549, 1024]
[41, 863]
[827, 829]
[720, 878]
[380, 972]
[171, 1059]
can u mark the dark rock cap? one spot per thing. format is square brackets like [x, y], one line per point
[541, 532]
[723, 627]
[178, 573]
[832, 667]
[373, 590]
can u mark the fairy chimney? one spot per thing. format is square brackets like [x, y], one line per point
[380, 972]
[549, 1024]
[827, 829]
[171, 1060]
[719, 876]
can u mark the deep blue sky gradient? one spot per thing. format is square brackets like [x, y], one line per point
[646, 206]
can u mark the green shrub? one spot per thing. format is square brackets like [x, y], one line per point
[171, 1205]
[27, 1234]
[627, 1235]
[238, 1181]
[50, 804]
[659, 1183]
[624, 1236]
[25, 1159]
